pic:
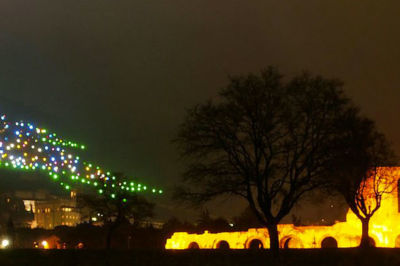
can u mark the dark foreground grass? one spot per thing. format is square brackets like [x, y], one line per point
[334, 257]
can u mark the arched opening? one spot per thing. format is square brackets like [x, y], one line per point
[292, 242]
[329, 242]
[398, 195]
[372, 242]
[223, 245]
[193, 245]
[256, 244]
[286, 245]
[397, 242]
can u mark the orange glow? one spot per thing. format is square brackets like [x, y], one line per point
[384, 229]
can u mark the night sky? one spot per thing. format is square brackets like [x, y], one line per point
[118, 75]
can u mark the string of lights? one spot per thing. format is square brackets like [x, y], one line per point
[23, 146]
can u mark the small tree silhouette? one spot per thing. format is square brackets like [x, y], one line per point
[116, 207]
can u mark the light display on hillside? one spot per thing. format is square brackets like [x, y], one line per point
[26, 147]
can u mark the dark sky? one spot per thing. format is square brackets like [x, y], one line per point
[118, 75]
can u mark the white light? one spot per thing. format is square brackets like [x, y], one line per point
[45, 244]
[5, 243]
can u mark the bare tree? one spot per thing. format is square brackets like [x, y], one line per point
[362, 172]
[264, 140]
[115, 207]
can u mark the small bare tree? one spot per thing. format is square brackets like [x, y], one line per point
[361, 173]
[114, 207]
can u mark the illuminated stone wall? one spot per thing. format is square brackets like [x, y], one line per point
[384, 230]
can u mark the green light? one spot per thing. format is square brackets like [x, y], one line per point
[59, 163]
[124, 200]
[113, 196]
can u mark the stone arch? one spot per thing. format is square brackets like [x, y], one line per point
[329, 242]
[291, 241]
[372, 240]
[397, 242]
[255, 243]
[193, 245]
[222, 245]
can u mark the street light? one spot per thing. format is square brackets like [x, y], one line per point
[5, 243]
[45, 244]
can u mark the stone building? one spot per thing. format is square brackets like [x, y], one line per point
[384, 230]
[56, 211]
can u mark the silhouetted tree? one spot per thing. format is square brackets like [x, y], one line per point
[114, 207]
[11, 230]
[358, 174]
[296, 220]
[246, 219]
[206, 222]
[264, 140]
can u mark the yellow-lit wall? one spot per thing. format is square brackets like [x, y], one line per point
[56, 212]
[384, 230]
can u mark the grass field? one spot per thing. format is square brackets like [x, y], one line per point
[339, 257]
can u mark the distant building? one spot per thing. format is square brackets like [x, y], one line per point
[151, 223]
[55, 211]
[38, 209]
[13, 212]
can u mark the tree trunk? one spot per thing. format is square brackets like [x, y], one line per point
[109, 235]
[114, 224]
[110, 232]
[273, 239]
[365, 239]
